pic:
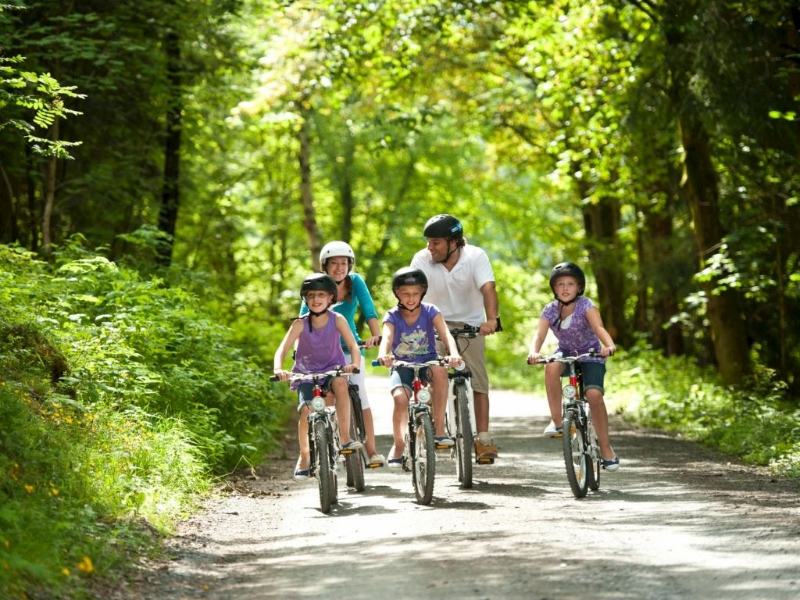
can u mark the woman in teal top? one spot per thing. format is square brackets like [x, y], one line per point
[337, 260]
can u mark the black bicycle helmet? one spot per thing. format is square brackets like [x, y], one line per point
[568, 269]
[409, 276]
[444, 226]
[318, 281]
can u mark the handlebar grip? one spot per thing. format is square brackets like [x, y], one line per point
[273, 378]
[499, 325]
[375, 362]
[356, 371]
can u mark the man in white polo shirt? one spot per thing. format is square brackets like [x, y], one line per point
[461, 284]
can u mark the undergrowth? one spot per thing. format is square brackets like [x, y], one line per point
[120, 402]
[758, 422]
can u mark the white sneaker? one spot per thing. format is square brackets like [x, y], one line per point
[552, 431]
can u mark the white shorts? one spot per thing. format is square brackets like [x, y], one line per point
[358, 379]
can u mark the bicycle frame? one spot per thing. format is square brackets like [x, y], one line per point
[582, 454]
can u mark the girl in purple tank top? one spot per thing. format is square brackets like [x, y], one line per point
[576, 324]
[319, 350]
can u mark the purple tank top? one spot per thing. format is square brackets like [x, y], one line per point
[318, 350]
[417, 342]
[578, 338]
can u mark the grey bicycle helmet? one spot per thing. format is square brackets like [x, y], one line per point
[568, 269]
[444, 226]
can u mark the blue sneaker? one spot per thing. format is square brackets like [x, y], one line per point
[611, 465]
[351, 447]
[443, 441]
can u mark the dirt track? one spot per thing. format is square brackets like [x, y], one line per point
[676, 521]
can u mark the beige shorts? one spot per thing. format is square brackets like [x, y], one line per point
[473, 351]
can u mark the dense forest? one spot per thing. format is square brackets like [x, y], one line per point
[176, 165]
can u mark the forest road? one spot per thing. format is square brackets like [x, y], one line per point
[676, 521]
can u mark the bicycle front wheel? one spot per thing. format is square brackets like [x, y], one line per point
[424, 458]
[354, 463]
[326, 476]
[575, 457]
[464, 439]
[595, 456]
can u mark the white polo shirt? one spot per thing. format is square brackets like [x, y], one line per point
[457, 293]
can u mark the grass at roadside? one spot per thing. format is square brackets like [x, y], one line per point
[120, 402]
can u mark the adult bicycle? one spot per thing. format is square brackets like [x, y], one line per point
[323, 437]
[582, 455]
[420, 447]
[461, 409]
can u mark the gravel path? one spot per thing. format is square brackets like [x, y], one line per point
[676, 521]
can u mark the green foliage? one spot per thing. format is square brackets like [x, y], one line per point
[119, 401]
[756, 423]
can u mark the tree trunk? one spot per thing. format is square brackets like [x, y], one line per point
[306, 192]
[665, 295]
[601, 220]
[49, 194]
[30, 171]
[346, 190]
[8, 213]
[728, 331]
[170, 196]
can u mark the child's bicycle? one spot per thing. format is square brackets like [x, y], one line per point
[420, 447]
[461, 410]
[323, 438]
[582, 455]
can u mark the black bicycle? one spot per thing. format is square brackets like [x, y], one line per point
[582, 455]
[355, 462]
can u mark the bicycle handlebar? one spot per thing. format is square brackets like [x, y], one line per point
[593, 353]
[437, 362]
[471, 331]
[337, 372]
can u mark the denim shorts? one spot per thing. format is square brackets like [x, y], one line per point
[594, 374]
[403, 376]
[305, 392]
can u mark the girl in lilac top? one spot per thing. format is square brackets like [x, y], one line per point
[409, 334]
[319, 350]
[576, 324]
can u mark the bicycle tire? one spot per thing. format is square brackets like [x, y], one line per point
[354, 463]
[575, 455]
[464, 439]
[595, 458]
[325, 477]
[424, 458]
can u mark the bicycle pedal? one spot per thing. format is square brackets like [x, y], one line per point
[374, 465]
[443, 447]
[347, 452]
[485, 461]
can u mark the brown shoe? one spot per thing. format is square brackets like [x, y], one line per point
[486, 452]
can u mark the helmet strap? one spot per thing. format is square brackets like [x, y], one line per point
[450, 252]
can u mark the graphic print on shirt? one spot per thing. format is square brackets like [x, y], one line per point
[413, 344]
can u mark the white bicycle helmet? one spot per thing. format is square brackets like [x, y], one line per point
[337, 248]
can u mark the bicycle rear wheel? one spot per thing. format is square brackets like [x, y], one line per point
[464, 439]
[575, 455]
[595, 456]
[326, 476]
[424, 459]
[354, 463]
